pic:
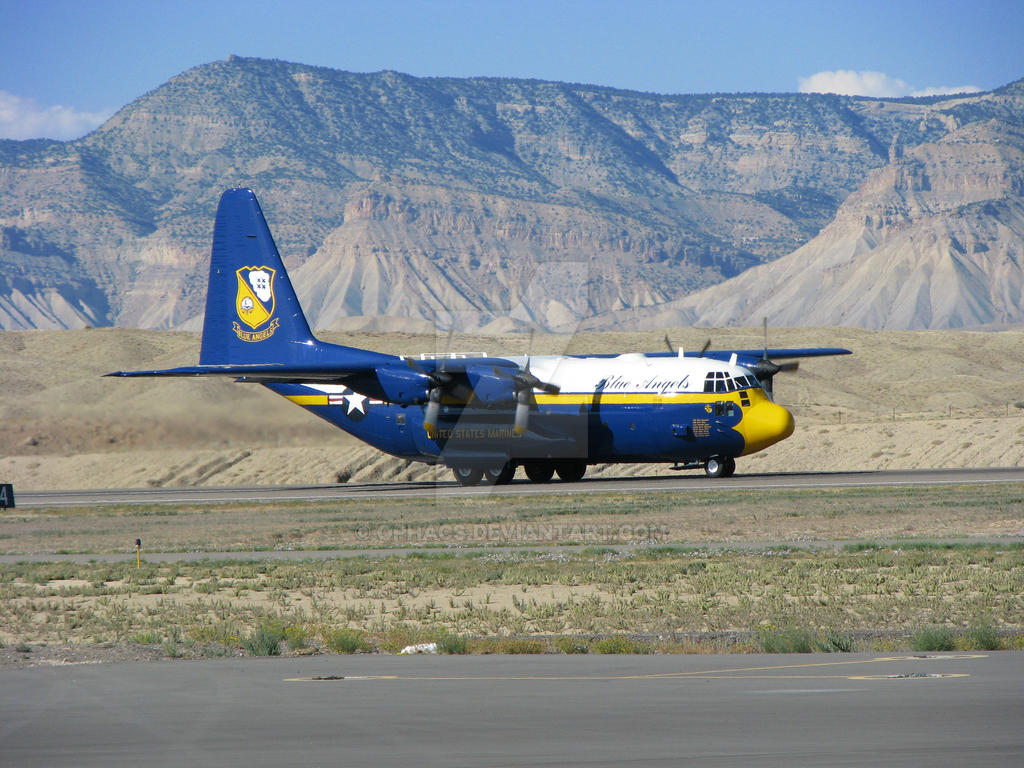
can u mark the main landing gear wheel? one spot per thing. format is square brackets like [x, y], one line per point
[570, 471]
[500, 475]
[468, 475]
[720, 467]
[539, 471]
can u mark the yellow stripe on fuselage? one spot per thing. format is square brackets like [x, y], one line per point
[636, 398]
[584, 398]
[308, 399]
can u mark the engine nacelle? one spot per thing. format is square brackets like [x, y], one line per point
[403, 386]
[489, 389]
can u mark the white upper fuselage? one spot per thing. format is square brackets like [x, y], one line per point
[632, 373]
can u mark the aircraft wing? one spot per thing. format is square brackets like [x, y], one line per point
[773, 354]
[280, 373]
[388, 377]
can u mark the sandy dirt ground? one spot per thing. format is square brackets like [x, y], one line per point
[903, 400]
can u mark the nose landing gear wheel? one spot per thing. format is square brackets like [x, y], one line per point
[720, 467]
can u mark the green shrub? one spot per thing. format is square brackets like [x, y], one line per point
[206, 587]
[146, 638]
[265, 640]
[835, 642]
[507, 645]
[450, 643]
[570, 644]
[982, 638]
[296, 636]
[936, 638]
[619, 644]
[170, 648]
[347, 641]
[399, 635]
[775, 640]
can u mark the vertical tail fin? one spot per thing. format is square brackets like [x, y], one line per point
[252, 312]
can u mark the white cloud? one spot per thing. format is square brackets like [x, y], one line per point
[942, 90]
[850, 83]
[22, 118]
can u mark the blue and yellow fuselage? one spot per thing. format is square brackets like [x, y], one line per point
[607, 410]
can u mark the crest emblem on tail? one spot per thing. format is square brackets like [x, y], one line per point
[254, 303]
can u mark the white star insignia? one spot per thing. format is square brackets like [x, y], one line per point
[355, 402]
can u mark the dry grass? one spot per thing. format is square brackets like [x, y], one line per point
[664, 596]
[694, 518]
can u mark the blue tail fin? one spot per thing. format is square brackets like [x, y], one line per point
[252, 312]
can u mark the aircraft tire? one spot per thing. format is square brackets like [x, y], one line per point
[730, 466]
[468, 475]
[570, 471]
[500, 475]
[715, 467]
[539, 471]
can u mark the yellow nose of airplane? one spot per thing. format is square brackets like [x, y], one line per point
[764, 423]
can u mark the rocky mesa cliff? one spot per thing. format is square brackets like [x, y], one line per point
[403, 202]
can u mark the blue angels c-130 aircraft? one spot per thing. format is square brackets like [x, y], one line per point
[481, 416]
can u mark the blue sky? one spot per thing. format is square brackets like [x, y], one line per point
[65, 65]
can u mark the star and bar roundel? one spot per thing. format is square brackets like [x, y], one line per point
[352, 403]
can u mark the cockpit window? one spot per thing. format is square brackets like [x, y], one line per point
[720, 381]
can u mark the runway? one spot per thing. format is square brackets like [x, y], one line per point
[799, 710]
[688, 481]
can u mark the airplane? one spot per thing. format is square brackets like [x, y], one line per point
[482, 416]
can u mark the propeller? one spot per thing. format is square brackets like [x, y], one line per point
[441, 382]
[525, 383]
[765, 369]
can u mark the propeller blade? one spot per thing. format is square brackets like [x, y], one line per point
[526, 380]
[432, 411]
[668, 343]
[522, 414]
[765, 369]
[705, 348]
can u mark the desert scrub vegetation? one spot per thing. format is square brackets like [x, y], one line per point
[600, 600]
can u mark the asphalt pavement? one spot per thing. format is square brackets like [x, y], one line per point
[933, 710]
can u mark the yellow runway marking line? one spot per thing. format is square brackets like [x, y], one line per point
[734, 673]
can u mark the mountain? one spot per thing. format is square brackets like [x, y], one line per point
[403, 202]
[935, 239]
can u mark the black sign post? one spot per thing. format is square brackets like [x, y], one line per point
[6, 496]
